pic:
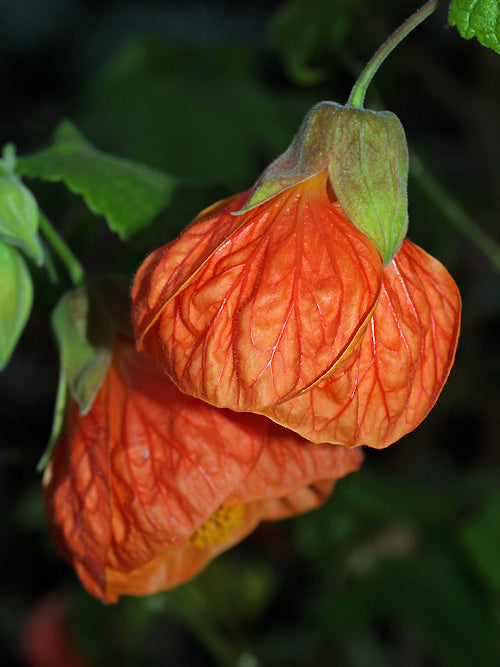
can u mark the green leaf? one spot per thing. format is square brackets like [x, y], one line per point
[482, 540]
[18, 211]
[477, 18]
[129, 195]
[85, 335]
[16, 289]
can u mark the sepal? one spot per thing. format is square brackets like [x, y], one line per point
[366, 155]
[85, 323]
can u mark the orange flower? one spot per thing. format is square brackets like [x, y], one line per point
[391, 380]
[150, 484]
[286, 310]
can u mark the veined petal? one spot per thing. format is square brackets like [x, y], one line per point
[301, 500]
[169, 268]
[392, 380]
[142, 470]
[288, 462]
[270, 311]
[180, 564]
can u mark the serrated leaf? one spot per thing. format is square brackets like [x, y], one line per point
[477, 18]
[16, 289]
[85, 348]
[19, 215]
[129, 195]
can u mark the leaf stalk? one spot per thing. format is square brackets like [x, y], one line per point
[63, 251]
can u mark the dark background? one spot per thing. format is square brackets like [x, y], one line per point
[402, 566]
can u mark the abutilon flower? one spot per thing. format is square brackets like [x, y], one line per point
[150, 484]
[300, 300]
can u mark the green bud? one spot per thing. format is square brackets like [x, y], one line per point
[16, 288]
[19, 214]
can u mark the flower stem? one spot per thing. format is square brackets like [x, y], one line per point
[63, 251]
[357, 96]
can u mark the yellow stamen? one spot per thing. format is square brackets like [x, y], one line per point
[217, 529]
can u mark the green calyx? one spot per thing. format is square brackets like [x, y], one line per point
[366, 156]
[86, 322]
[368, 170]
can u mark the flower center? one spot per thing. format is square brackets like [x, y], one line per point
[217, 529]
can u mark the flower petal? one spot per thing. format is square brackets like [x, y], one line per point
[288, 462]
[177, 565]
[298, 502]
[142, 470]
[167, 270]
[284, 296]
[180, 564]
[389, 384]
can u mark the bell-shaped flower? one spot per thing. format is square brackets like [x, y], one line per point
[246, 311]
[149, 484]
[290, 313]
[300, 300]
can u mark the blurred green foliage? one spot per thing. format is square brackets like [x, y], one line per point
[401, 566]
[304, 32]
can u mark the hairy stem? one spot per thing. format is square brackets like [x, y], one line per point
[357, 96]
